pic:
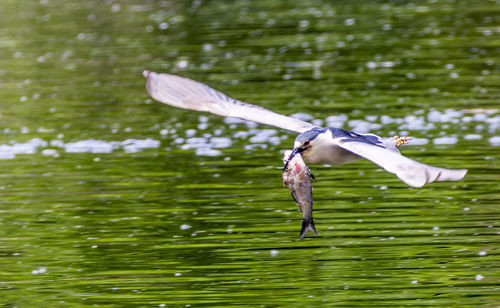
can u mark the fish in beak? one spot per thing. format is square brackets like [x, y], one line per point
[297, 177]
[289, 155]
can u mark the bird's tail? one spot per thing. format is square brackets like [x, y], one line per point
[306, 226]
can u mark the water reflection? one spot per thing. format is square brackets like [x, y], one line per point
[207, 140]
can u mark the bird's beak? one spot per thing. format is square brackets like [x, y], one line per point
[295, 151]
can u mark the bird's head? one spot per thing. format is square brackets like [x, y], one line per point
[304, 142]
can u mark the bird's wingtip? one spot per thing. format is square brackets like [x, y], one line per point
[461, 173]
[418, 180]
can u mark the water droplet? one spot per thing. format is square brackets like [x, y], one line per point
[182, 64]
[185, 227]
[115, 8]
[350, 21]
[40, 270]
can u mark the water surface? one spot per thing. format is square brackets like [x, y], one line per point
[112, 199]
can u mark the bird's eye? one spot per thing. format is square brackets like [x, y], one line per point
[306, 144]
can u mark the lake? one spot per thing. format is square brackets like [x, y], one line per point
[112, 199]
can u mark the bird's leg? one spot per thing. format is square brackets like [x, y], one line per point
[401, 140]
[312, 176]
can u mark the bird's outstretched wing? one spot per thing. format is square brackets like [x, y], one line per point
[189, 94]
[407, 170]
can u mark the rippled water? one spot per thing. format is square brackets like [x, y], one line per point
[112, 199]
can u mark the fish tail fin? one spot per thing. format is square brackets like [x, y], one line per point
[306, 226]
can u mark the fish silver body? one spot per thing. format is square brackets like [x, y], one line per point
[297, 177]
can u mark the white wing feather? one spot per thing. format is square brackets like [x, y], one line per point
[407, 170]
[189, 94]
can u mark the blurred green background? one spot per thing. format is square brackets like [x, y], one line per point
[109, 198]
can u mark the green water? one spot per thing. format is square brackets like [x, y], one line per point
[117, 204]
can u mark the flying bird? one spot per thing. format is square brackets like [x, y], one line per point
[316, 145]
